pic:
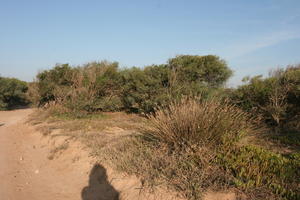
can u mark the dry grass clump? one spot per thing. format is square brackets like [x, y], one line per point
[195, 123]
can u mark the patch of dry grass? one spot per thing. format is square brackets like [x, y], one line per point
[156, 166]
[177, 147]
[181, 148]
[196, 123]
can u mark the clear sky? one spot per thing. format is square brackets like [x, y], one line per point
[252, 36]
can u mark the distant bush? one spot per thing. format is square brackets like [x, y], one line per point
[49, 81]
[90, 88]
[95, 87]
[12, 93]
[104, 87]
[275, 98]
[145, 89]
[207, 70]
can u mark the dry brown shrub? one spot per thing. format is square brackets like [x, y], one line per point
[195, 123]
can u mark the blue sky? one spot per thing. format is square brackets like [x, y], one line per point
[252, 36]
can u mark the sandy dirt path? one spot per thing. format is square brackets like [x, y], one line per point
[26, 173]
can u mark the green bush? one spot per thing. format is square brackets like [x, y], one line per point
[145, 89]
[157, 85]
[48, 81]
[12, 93]
[103, 87]
[275, 98]
[95, 87]
[90, 88]
[254, 167]
[207, 70]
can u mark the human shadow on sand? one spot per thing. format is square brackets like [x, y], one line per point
[99, 188]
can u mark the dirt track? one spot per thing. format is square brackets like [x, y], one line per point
[27, 174]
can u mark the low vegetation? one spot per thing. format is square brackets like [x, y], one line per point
[255, 167]
[181, 143]
[189, 132]
[193, 155]
[193, 124]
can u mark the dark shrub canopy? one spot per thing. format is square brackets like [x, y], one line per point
[209, 70]
[12, 93]
[102, 86]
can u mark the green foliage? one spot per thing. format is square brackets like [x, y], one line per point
[145, 89]
[207, 70]
[91, 88]
[50, 80]
[95, 88]
[12, 93]
[275, 98]
[103, 87]
[254, 167]
[155, 86]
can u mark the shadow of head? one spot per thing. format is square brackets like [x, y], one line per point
[99, 188]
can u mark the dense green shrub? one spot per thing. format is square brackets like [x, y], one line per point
[103, 87]
[145, 89]
[275, 98]
[207, 70]
[90, 88]
[58, 78]
[12, 93]
[95, 87]
[157, 85]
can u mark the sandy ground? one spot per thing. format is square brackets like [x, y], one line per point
[25, 170]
